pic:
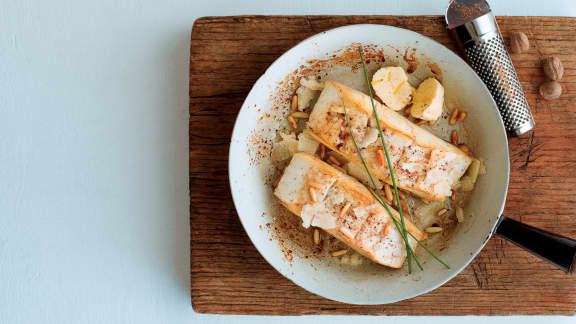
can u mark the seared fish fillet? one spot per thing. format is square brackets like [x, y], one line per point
[335, 202]
[422, 163]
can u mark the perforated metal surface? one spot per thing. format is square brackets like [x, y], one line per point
[489, 58]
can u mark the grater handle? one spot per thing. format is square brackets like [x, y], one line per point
[484, 48]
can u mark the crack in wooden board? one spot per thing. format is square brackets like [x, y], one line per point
[228, 276]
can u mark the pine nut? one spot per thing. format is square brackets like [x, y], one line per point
[401, 194]
[345, 209]
[313, 196]
[441, 212]
[294, 104]
[454, 117]
[292, 122]
[388, 193]
[454, 137]
[339, 253]
[461, 116]
[403, 206]
[433, 229]
[300, 115]
[334, 160]
[380, 156]
[460, 214]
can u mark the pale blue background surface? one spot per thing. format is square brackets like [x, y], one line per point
[94, 155]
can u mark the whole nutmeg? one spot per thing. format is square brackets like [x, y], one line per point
[553, 68]
[519, 42]
[550, 90]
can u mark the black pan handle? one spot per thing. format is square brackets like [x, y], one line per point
[556, 249]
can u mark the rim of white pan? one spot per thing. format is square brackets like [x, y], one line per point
[416, 36]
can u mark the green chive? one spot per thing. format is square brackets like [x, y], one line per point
[401, 227]
[383, 144]
[409, 251]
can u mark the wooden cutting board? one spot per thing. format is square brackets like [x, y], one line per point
[228, 54]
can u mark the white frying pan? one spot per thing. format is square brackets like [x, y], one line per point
[377, 285]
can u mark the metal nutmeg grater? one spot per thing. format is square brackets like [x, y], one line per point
[474, 28]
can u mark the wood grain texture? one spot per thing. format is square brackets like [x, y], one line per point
[227, 56]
